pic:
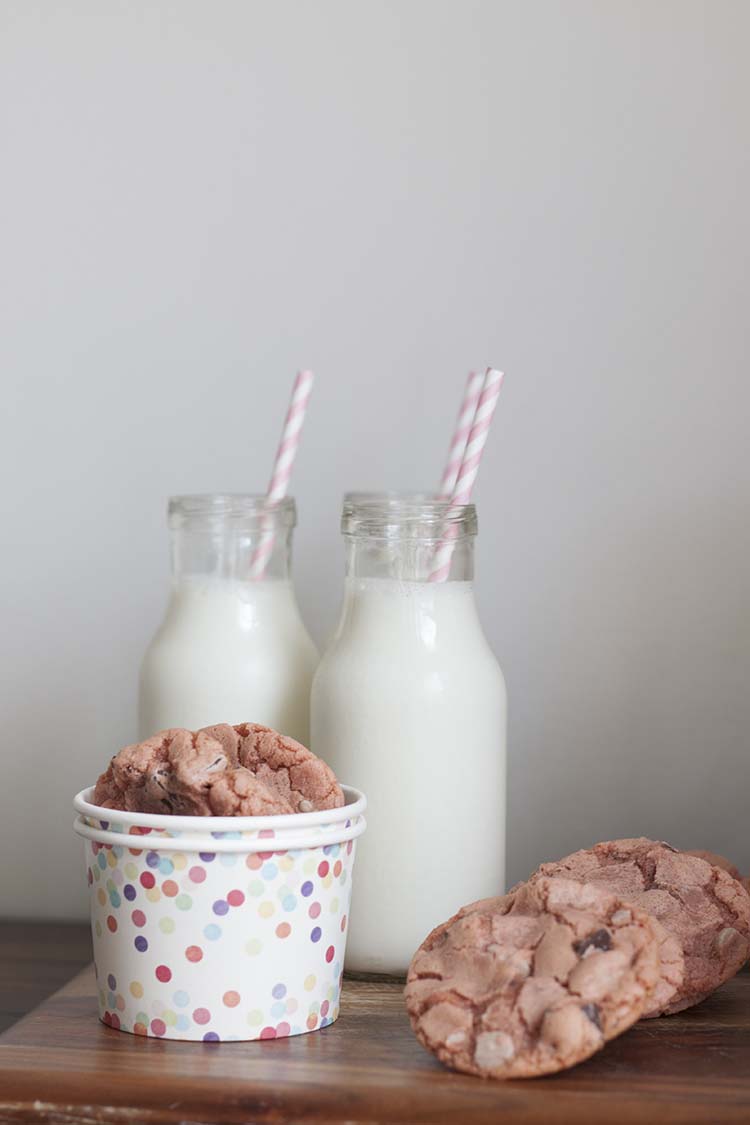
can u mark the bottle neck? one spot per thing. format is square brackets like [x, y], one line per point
[409, 538]
[398, 618]
[231, 555]
[231, 537]
[409, 560]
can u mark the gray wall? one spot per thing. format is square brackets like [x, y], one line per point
[199, 198]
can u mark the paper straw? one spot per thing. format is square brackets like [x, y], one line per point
[283, 463]
[467, 473]
[472, 391]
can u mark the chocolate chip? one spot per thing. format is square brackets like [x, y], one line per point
[159, 778]
[600, 939]
[592, 1011]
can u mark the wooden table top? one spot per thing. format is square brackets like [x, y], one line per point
[59, 1064]
[36, 958]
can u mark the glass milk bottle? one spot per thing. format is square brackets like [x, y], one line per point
[409, 704]
[232, 647]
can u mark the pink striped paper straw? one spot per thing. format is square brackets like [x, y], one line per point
[283, 463]
[467, 473]
[472, 391]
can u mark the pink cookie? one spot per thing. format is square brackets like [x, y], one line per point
[533, 982]
[247, 770]
[701, 907]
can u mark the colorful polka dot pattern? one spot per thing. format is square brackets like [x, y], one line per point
[218, 946]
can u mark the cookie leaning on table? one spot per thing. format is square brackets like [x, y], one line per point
[533, 982]
[702, 907]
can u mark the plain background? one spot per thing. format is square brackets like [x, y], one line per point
[199, 198]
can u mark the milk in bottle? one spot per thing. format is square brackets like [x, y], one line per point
[232, 647]
[409, 704]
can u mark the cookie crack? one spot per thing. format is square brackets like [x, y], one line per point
[447, 996]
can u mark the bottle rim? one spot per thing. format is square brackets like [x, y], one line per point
[213, 511]
[425, 521]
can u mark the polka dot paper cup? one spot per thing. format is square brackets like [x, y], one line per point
[219, 928]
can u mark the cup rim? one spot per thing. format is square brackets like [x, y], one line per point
[354, 805]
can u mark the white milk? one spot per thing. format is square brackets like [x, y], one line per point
[409, 705]
[229, 651]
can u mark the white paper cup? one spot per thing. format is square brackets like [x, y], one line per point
[219, 928]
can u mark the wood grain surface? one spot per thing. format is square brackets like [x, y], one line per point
[59, 1064]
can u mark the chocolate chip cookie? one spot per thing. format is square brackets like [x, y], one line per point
[533, 982]
[703, 908]
[248, 770]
